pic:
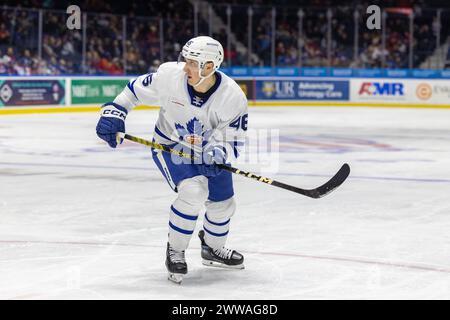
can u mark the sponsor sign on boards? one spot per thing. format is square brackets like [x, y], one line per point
[302, 90]
[21, 92]
[86, 91]
[378, 90]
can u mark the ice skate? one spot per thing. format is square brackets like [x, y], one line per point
[223, 257]
[176, 264]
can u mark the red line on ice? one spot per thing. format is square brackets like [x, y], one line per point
[284, 254]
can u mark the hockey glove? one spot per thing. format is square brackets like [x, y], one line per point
[111, 122]
[212, 156]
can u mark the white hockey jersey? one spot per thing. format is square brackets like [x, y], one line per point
[218, 117]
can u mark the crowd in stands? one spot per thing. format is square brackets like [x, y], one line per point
[115, 46]
[447, 59]
[62, 49]
[311, 48]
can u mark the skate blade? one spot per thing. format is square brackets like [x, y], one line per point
[216, 264]
[175, 277]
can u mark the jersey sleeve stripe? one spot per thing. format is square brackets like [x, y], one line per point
[130, 86]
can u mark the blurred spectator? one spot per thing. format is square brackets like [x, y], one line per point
[112, 49]
[447, 63]
[6, 61]
[5, 36]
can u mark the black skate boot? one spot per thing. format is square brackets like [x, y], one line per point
[176, 264]
[224, 258]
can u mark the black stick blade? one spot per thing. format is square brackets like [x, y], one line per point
[334, 182]
[324, 189]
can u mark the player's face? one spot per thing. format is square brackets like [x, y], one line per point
[191, 69]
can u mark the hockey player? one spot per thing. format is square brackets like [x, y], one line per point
[205, 111]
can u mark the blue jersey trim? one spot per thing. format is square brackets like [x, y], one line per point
[198, 100]
[234, 145]
[182, 215]
[162, 135]
[130, 86]
[117, 106]
[235, 149]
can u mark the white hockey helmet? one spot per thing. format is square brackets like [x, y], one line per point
[203, 49]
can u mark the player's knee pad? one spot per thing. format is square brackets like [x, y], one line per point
[192, 194]
[193, 190]
[220, 211]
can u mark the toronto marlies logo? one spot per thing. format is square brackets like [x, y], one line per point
[193, 132]
[197, 101]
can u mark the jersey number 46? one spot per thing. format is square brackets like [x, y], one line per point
[241, 122]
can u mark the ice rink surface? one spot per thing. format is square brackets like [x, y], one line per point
[79, 220]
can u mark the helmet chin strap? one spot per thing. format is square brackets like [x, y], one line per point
[202, 78]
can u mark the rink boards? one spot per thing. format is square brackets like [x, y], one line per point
[83, 94]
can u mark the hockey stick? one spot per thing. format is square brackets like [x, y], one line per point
[315, 193]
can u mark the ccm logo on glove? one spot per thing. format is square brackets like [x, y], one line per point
[114, 113]
[111, 122]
